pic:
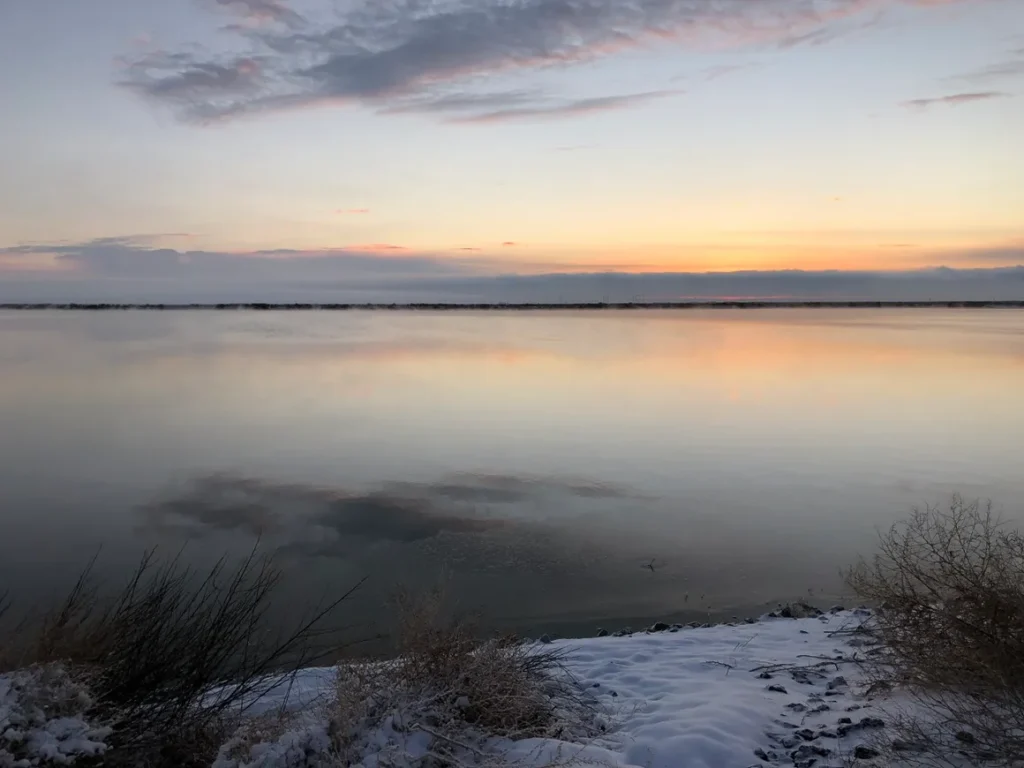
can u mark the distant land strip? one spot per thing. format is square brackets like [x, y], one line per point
[524, 306]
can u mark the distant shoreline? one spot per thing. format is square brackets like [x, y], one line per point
[520, 307]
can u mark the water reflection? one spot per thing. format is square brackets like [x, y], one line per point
[542, 457]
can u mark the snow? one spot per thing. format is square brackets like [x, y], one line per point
[776, 692]
[42, 719]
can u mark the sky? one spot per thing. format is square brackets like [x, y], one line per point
[331, 149]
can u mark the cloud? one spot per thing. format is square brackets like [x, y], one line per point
[567, 108]
[955, 99]
[418, 55]
[258, 12]
[1008, 68]
[133, 269]
[352, 211]
[509, 244]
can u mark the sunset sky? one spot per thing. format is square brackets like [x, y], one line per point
[146, 139]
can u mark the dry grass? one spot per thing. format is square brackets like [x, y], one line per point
[174, 659]
[949, 584]
[457, 689]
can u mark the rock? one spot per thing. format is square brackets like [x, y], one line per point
[615, 694]
[836, 609]
[777, 689]
[659, 626]
[821, 708]
[965, 737]
[694, 625]
[836, 682]
[872, 722]
[808, 763]
[845, 721]
[825, 733]
[674, 630]
[545, 639]
[798, 610]
[796, 706]
[596, 685]
[805, 751]
[749, 620]
[773, 615]
[807, 734]
[804, 632]
[853, 707]
[677, 626]
[860, 752]
[766, 676]
[627, 630]
[760, 754]
[602, 633]
[787, 613]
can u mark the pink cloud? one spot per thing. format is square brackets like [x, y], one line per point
[509, 244]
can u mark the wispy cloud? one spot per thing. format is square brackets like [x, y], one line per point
[509, 244]
[567, 108]
[420, 55]
[955, 99]
[352, 211]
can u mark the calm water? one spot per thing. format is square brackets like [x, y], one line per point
[536, 460]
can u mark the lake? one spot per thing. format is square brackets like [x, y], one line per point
[534, 462]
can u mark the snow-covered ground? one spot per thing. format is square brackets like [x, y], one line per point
[777, 692]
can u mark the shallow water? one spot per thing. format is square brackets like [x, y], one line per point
[535, 462]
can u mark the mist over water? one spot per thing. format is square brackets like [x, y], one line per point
[535, 462]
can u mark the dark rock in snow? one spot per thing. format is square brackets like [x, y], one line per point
[749, 620]
[861, 752]
[760, 754]
[805, 751]
[836, 609]
[837, 682]
[674, 630]
[777, 689]
[602, 633]
[660, 626]
[804, 632]
[807, 734]
[694, 625]
[820, 708]
[766, 676]
[845, 721]
[545, 639]
[965, 737]
[796, 706]
[825, 733]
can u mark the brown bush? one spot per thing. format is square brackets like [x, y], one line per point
[949, 589]
[458, 688]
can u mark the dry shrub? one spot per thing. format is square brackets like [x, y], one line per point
[456, 689]
[175, 658]
[949, 586]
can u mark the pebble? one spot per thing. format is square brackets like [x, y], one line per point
[777, 689]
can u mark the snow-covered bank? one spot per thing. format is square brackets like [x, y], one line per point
[780, 691]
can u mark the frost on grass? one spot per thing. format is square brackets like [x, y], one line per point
[43, 719]
[446, 699]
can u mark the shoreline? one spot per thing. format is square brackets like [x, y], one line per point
[508, 307]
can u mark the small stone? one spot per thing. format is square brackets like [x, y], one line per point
[872, 722]
[660, 626]
[674, 630]
[836, 609]
[777, 689]
[786, 612]
[845, 721]
[825, 733]
[602, 633]
[773, 615]
[965, 737]
[761, 755]
[693, 624]
[804, 632]
[766, 676]
[615, 694]
[805, 751]
[821, 708]
[860, 752]
[836, 682]
[807, 734]
[545, 639]
[853, 707]
[749, 620]
[796, 706]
